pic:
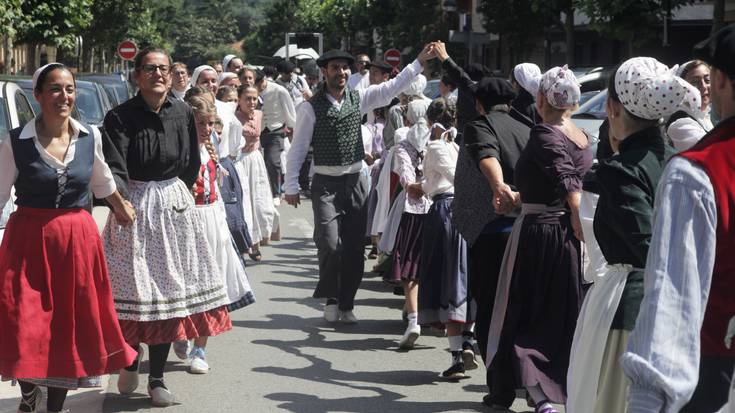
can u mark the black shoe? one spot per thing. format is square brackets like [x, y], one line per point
[455, 372]
[373, 254]
[490, 400]
[398, 290]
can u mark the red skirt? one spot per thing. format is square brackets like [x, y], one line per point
[57, 316]
[206, 324]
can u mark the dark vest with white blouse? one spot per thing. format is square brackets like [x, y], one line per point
[337, 137]
[715, 153]
[40, 186]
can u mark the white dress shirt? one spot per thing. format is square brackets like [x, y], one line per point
[278, 108]
[686, 132]
[355, 79]
[373, 97]
[102, 183]
[662, 358]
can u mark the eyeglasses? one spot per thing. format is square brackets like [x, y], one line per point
[150, 69]
[180, 73]
[363, 62]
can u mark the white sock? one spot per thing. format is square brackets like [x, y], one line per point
[537, 394]
[413, 320]
[455, 343]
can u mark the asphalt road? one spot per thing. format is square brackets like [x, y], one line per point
[282, 356]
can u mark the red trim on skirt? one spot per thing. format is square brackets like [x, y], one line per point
[207, 324]
[57, 317]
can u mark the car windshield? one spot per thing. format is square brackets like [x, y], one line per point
[89, 106]
[4, 127]
[595, 106]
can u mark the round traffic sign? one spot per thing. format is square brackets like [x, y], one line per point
[127, 50]
[392, 57]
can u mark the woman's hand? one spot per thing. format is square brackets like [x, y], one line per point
[414, 190]
[125, 214]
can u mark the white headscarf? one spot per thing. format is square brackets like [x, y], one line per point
[528, 75]
[225, 75]
[560, 87]
[650, 90]
[226, 61]
[418, 134]
[198, 71]
[416, 87]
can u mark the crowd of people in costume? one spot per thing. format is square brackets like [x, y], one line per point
[591, 274]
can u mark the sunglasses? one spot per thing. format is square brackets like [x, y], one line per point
[150, 69]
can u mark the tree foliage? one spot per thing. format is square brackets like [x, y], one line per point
[54, 22]
[630, 20]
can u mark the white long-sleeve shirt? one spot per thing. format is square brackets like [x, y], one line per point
[278, 108]
[440, 163]
[662, 358]
[372, 97]
[102, 182]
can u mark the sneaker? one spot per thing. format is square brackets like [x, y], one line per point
[348, 317]
[489, 400]
[182, 349]
[456, 371]
[198, 364]
[31, 400]
[331, 313]
[160, 395]
[545, 407]
[468, 356]
[127, 381]
[409, 337]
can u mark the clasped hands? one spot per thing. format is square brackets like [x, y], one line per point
[505, 199]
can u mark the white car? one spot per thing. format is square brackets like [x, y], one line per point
[15, 111]
[590, 116]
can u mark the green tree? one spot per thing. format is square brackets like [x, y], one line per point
[632, 21]
[55, 22]
[10, 15]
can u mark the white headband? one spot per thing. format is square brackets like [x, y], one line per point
[198, 71]
[226, 61]
[40, 70]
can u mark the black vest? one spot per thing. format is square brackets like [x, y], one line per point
[37, 185]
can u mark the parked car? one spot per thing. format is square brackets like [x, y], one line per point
[15, 111]
[595, 79]
[117, 88]
[590, 116]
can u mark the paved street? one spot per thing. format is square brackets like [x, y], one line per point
[282, 356]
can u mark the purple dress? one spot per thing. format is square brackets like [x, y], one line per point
[546, 288]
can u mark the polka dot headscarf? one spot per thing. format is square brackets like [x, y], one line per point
[560, 87]
[650, 90]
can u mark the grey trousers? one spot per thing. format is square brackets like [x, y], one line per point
[340, 216]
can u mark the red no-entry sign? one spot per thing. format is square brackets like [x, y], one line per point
[127, 50]
[392, 57]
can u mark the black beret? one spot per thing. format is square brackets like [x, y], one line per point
[332, 55]
[384, 67]
[491, 91]
[285, 66]
[719, 50]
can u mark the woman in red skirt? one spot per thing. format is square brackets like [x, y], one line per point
[58, 322]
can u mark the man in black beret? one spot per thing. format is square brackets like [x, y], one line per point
[296, 85]
[379, 72]
[330, 123]
[490, 148]
[680, 355]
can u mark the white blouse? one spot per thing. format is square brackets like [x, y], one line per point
[102, 182]
[440, 162]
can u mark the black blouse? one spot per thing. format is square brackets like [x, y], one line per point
[624, 215]
[143, 145]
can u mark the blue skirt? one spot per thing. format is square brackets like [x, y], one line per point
[231, 192]
[443, 292]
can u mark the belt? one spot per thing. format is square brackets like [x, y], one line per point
[267, 130]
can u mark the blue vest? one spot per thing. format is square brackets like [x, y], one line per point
[37, 185]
